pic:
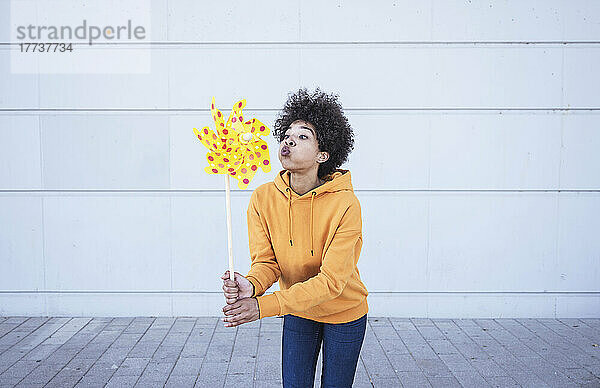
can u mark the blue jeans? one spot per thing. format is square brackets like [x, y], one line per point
[301, 342]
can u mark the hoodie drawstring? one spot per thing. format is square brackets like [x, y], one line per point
[289, 214]
[312, 197]
[311, 221]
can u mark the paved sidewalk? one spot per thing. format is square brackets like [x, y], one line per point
[187, 352]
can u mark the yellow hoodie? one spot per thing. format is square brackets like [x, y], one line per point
[311, 244]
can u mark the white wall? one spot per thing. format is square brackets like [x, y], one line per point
[476, 159]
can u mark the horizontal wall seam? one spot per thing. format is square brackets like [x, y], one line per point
[390, 109]
[329, 43]
[125, 191]
[370, 292]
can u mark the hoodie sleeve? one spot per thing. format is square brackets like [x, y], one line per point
[336, 269]
[264, 268]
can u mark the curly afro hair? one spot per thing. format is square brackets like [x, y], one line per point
[325, 113]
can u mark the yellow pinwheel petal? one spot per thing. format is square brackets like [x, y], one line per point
[217, 116]
[245, 174]
[258, 128]
[208, 138]
[223, 163]
[236, 117]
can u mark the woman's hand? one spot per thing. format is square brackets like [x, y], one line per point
[242, 311]
[239, 289]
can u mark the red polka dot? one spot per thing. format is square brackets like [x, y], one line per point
[225, 160]
[241, 118]
[218, 154]
[230, 169]
[252, 130]
[246, 181]
[228, 149]
[265, 162]
[240, 104]
[234, 119]
[251, 157]
[206, 131]
[233, 173]
[264, 147]
[225, 131]
[244, 171]
[262, 128]
[248, 122]
[224, 146]
[211, 158]
[253, 168]
[258, 154]
[214, 136]
[221, 165]
[219, 113]
[215, 170]
[199, 137]
[212, 106]
[222, 124]
[253, 120]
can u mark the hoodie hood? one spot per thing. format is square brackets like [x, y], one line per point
[339, 180]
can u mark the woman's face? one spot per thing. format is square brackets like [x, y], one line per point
[299, 149]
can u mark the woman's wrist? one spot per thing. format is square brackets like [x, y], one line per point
[257, 306]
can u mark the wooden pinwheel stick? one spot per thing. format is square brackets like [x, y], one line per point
[229, 238]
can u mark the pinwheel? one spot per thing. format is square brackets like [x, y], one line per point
[235, 149]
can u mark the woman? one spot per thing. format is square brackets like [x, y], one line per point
[305, 230]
